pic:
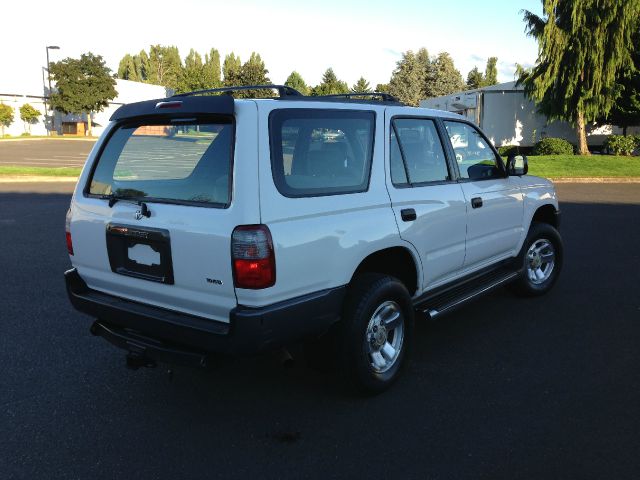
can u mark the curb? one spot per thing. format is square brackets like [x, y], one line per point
[46, 139]
[35, 179]
[596, 180]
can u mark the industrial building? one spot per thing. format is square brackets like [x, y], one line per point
[508, 117]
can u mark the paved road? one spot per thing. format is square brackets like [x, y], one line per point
[504, 388]
[45, 152]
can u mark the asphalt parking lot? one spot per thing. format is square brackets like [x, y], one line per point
[45, 152]
[503, 388]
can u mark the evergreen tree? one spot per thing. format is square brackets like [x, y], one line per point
[361, 86]
[444, 79]
[490, 72]
[254, 72]
[212, 69]
[626, 109]
[330, 85]
[382, 88]
[582, 49]
[191, 77]
[127, 69]
[520, 72]
[84, 85]
[141, 62]
[295, 80]
[407, 82]
[474, 79]
[231, 70]
[29, 115]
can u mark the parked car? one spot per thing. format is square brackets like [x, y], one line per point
[204, 224]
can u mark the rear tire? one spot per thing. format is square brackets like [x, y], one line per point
[376, 331]
[540, 259]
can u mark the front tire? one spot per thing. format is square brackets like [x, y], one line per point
[377, 331]
[540, 259]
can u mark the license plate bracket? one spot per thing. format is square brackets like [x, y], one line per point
[122, 238]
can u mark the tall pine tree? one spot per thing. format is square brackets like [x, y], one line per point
[582, 48]
[295, 80]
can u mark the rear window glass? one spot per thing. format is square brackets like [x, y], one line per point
[321, 152]
[189, 161]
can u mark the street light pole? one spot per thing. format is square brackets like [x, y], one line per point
[50, 47]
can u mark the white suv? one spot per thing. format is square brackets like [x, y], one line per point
[203, 223]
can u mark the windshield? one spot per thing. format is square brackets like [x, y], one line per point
[173, 160]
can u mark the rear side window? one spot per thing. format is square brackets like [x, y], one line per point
[173, 161]
[416, 152]
[321, 152]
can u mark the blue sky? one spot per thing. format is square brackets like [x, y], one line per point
[355, 38]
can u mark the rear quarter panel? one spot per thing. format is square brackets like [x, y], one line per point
[320, 241]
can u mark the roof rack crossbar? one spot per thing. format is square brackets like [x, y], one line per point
[283, 90]
[385, 97]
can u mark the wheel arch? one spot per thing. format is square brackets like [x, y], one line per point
[546, 213]
[397, 261]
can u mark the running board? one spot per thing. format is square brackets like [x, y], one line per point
[454, 297]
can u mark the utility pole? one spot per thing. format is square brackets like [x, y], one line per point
[50, 47]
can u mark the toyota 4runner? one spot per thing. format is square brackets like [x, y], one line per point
[205, 224]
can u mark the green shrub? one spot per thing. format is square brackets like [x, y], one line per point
[507, 150]
[620, 145]
[553, 146]
[25, 134]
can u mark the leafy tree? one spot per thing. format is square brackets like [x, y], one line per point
[6, 116]
[474, 79]
[582, 48]
[409, 77]
[382, 88]
[254, 72]
[232, 69]
[191, 77]
[361, 86]
[490, 72]
[330, 85]
[295, 80]
[29, 115]
[164, 66]
[443, 79]
[84, 85]
[212, 69]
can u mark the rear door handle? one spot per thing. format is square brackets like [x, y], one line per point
[408, 214]
[476, 202]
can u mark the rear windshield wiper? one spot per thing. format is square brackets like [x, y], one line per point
[113, 198]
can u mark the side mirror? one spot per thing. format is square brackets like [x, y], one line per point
[517, 165]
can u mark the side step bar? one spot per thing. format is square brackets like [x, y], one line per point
[449, 299]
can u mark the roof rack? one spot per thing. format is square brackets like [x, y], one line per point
[283, 90]
[385, 97]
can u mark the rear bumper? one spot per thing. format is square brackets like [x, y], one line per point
[175, 337]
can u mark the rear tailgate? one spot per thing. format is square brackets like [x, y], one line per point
[154, 209]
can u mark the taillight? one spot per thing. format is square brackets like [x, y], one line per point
[252, 256]
[67, 229]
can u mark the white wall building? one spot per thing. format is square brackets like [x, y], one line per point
[508, 117]
[15, 92]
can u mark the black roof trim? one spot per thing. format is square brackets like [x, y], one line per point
[283, 90]
[196, 105]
